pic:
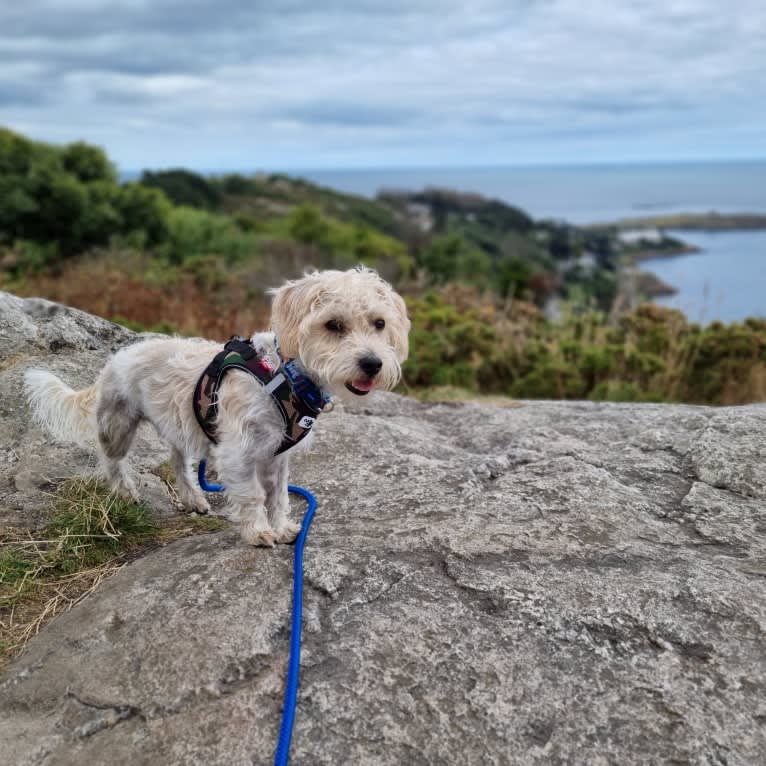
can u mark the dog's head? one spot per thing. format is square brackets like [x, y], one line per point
[347, 328]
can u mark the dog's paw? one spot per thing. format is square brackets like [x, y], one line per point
[128, 492]
[288, 532]
[198, 505]
[255, 534]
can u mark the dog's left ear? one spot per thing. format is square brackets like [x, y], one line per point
[400, 330]
[292, 303]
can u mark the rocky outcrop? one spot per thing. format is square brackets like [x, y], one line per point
[74, 345]
[552, 583]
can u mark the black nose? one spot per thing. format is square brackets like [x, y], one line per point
[370, 365]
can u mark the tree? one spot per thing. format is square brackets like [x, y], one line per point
[184, 188]
[61, 201]
[87, 163]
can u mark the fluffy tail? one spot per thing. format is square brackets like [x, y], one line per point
[65, 414]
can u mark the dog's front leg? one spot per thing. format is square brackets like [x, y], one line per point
[244, 492]
[274, 478]
[190, 496]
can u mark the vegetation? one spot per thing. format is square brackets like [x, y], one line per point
[697, 221]
[180, 252]
[58, 202]
[90, 535]
[652, 354]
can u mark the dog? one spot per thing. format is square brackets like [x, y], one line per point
[346, 330]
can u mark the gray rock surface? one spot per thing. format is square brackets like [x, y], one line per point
[553, 583]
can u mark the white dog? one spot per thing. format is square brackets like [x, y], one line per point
[347, 332]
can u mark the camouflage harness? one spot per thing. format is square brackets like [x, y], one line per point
[299, 401]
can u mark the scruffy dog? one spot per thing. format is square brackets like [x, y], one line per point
[347, 331]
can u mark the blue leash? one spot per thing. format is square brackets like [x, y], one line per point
[282, 752]
[203, 481]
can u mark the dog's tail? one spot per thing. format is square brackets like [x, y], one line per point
[66, 414]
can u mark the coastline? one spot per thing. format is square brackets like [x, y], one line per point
[725, 285]
[670, 252]
[703, 222]
[647, 282]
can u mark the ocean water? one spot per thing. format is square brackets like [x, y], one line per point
[726, 280]
[582, 194]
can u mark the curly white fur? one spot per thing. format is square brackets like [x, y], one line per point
[340, 325]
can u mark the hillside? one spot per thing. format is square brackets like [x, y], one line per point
[62, 204]
[711, 221]
[501, 304]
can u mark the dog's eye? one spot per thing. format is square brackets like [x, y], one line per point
[379, 324]
[333, 325]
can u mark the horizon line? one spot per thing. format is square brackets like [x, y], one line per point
[431, 167]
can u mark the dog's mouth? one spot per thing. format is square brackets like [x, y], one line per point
[360, 386]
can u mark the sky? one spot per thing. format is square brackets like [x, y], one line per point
[307, 84]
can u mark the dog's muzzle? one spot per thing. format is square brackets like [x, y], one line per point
[370, 365]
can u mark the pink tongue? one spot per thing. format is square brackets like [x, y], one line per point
[362, 385]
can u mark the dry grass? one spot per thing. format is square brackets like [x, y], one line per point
[132, 290]
[750, 388]
[38, 599]
[90, 536]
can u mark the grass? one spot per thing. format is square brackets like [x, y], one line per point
[92, 533]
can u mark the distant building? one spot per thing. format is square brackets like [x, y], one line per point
[586, 262]
[420, 215]
[635, 236]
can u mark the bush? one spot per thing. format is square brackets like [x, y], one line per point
[654, 354]
[192, 233]
[446, 345]
[67, 199]
[343, 245]
[449, 258]
[182, 187]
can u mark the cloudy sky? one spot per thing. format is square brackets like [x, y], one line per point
[301, 84]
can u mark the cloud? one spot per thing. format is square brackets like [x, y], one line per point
[348, 113]
[295, 83]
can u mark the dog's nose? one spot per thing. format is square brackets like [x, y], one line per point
[370, 365]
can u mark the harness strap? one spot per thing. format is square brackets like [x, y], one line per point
[298, 414]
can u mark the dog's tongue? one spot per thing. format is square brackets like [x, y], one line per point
[363, 384]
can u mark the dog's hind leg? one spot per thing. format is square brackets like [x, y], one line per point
[273, 476]
[116, 428]
[190, 496]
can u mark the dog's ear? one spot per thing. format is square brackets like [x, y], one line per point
[400, 330]
[291, 304]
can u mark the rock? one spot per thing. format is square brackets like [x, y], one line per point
[39, 333]
[554, 583]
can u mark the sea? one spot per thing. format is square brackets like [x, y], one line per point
[725, 280]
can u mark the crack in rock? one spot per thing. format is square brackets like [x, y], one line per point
[107, 715]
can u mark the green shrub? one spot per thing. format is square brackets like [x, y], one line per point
[198, 233]
[446, 345]
[183, 187]
[652, 355]
[67, 199]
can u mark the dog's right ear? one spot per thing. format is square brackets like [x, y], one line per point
[292, 303]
